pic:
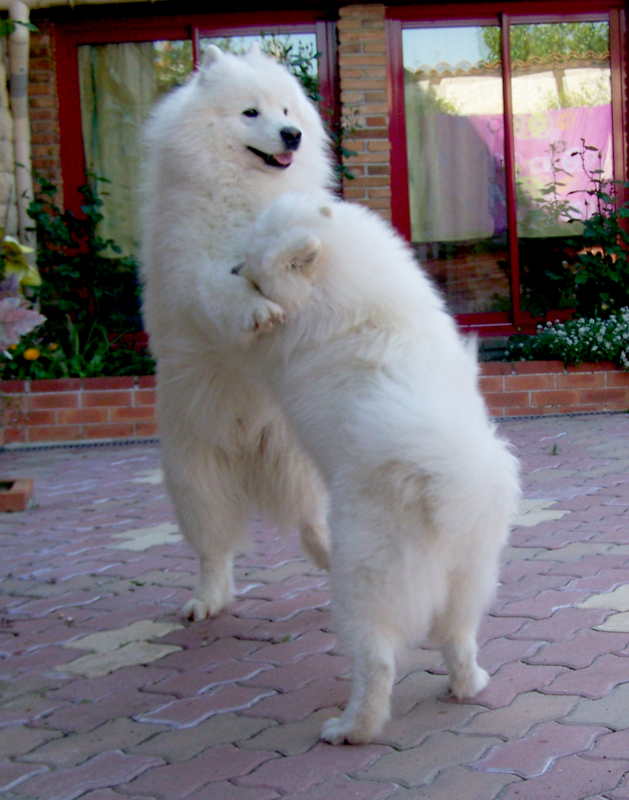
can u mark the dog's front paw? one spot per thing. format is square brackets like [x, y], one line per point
[264, 317]
[342, 731]
[469, 683]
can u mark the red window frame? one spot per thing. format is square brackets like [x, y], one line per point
[69, 36]
[442, 15]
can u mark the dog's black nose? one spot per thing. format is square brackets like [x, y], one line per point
[291, 137]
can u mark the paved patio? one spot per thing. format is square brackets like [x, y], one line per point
[107, 695]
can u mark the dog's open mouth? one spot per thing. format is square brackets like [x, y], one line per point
[279, 160]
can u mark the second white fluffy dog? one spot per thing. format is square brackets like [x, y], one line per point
[383, 393]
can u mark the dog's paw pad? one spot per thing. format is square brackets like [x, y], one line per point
[267, 316]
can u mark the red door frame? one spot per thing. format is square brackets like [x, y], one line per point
[69, 36]
[442, 15]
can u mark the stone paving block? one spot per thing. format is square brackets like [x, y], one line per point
[198, 682]
[344, 788]
[228, 791]
[184, 743]
[84, 717]
[581, 651]
[82, 689]
[460, 783]
[76, 748]
[293, 676]
[104, 770]
[178, 781]
[494, 627]
[570, 778]
[191, 711]
[293, 649]
[611, 711]
[110, 794]
[291, 738]
[18, 740]
[612, 745]
[496, 653]
[562, 625]
[28, 708]
[301, 772]
[513, 679]
[595, 681]
[294, 706]
[13, 775]
[408, 730]
[539, 749]
[621, 792]
[420, 765]
[515, 720]
[544, 605]
[95, 664]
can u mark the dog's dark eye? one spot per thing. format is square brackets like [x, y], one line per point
[285, 112]
[251, 112]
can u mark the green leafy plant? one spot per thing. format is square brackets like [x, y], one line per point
[580, 340]
[601, 269]
[88, 294]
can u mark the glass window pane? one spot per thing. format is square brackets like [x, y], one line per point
[455, 142]
[561, 100]
[297, 50]
[119, 84]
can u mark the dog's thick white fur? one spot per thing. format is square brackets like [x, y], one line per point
[220, 149]
[382, 392]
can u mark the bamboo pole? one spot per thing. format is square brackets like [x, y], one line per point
[19, 42]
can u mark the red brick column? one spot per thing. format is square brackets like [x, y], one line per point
[44, 105]
[363, 79]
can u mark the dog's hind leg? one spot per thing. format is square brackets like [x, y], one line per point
[457, 626]
[373, 666]
[291, 490]
[211, 517]
[365, 605]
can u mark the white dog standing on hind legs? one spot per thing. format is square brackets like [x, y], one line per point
[220, 149]
[382, 391]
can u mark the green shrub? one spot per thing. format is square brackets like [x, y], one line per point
[89, 295]
[580, 340]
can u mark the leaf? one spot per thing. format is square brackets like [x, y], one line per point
[16, 319]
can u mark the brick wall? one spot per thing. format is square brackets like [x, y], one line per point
[79, 408]
[363, 82]
[547, 387]
[122, 408]
[44, 105]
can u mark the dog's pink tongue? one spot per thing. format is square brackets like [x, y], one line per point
[284, 158]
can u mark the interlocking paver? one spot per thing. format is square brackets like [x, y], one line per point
[177, 781]
[568, 778]
[513, 721]
[419, 765]
[533, 754]
[103, 770]
[311, 768]
[234, 711]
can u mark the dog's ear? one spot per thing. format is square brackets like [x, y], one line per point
[304, 256]
[211, 56]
